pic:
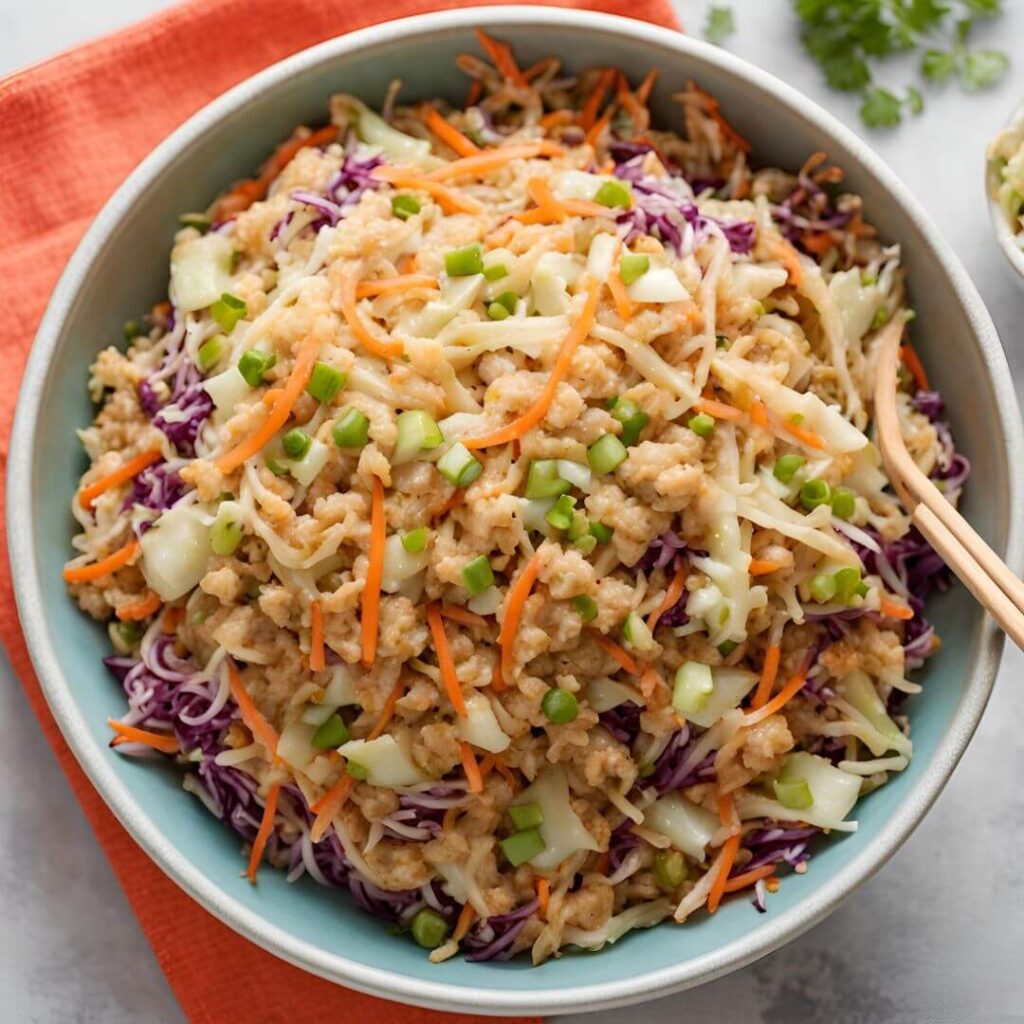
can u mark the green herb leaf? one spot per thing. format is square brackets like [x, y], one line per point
[981, 69]
[914, 101]
[937, 65]
[719, 24]
[880, 109]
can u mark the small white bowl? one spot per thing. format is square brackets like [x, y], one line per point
[1009, 241]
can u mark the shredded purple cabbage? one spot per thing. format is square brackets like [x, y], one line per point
[182, 420]
[664, 551]
[623, 722]
[621, 841]
[158, 488]
[774, 844]
[494, 937]
[668, 771]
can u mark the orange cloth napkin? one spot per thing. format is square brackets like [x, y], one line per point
[71, 128]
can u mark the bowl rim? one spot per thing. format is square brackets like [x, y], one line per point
[1011, 243]
[378, 980]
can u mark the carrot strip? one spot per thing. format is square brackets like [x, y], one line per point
[623, 304]
[719, 410]
[630, 104]
[501, 57]
[140, 609]
[370, 616]
[126, 471]
[486, 766]
[604, 863]
[476, 90]
[915, 366]
[466, 917]
[448, 133]
[595, 133]
[895, 610]
[643, 92]
[388, 711]
[762, 567]
[104, 567]
[710, 105]
[769, 671]
[439, 511]
[488, 160]
[780, 700]
[404, 282]
[759, 414]
[462, 615]
[317, 657]
[445, 661]
[588, 112]
[543, 896]
[818, 242]
[296, 384]
[729, 851]
[471, 768]
[529, 419]
[271, 396]
[672, 595]
[251, 715]
[347, 294]
[130, 734]
[538, 69]
[803, 435]
[650, 681]
[738, 882]
[515, 604]
[790, 259]
[172, 619]
[555, 119]
[505, 772]
[618, 653]
[449, 199]
[266, 827]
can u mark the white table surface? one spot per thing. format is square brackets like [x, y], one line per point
[935, 937]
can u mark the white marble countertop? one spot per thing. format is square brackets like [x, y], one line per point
[935, 937]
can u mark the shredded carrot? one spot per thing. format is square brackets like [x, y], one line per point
[538, 69]
[471, 768]
[370, 614]
[728, 856]
[790, 259]
[445, 661]
[719, 410]
[772, 883]
[895, 610]
[466, 917]
[271, 396]
[793, 686]
[818, 242]
[501, 57]
[529, 419]
[763, 566]
[803, 435]
[489, 160]
[555, 119]
[518, 593]
[476, 90]
[266, 827]
[104, 567]
[672, 595]
[592, 104]
[251, 716]
[457, 499]
[710, 105]
[604, 863]
[130, 734]
[140, 609]
[759, 414]
[594, 135]
[915, 366]
[738, 882]
[347, 295]
[126, 471]
[623, 304]
[317, 657]
[388, 711]
[651, 681]
[172, 619]
[543, 896]
[462, 615]
[296, 384]
[644, 89]
[404, 282]
[448, 133]
[486, 766]
[451, 200]
[618, 653]
[449, 819]
[636, 110]
[504, 771]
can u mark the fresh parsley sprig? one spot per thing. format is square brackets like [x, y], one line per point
[719, 24]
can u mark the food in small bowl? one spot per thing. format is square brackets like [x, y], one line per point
[488, 524]
[1005, 186]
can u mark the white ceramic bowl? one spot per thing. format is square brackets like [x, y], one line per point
[1011, 244]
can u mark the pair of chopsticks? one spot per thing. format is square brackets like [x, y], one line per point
[979, 568]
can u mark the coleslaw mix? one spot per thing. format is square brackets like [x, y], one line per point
[489, 523]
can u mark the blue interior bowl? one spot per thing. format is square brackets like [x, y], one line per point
[121, 268]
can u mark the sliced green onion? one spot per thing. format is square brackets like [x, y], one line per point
[823, 587]
[254, 364]
[496, 311]
[601, 533]
[815, 492]
[726, 647]
[130, 633]
[606, 453]
[578, 528]
[847, 583]
[405, 206]
[693, 687]
[199, 221]
[276, 467]
[787, 466]
[636, 633]
[522, 846]
[880, 319]
[670, 869]
[543, 480]
[417, 432]
[211, 352]
[585, 544]
[526, 815]
[357, 771]
[332, 733]
[560, 706]
[508, 300]
[296, 443]
[226, 531]
[131, 330]
[429, 928]
[632, 418]
[496, 271]
[458, 466]
[464, 262]
[585, 606]
[227, 311]
[633, 265]
[844, 502]
[351, 430]
[702, 424]
[415, 541]
[477, 575]
[325, 382]
[614, 194]
[793, 793]
[560, 514]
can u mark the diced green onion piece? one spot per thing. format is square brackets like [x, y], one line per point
[417, 432]
[130, 633]
[787, 466]
[464, 262]
[508, 300]
[726, 647]
[721, 341]
[693, 687]
[585, 606]
[131, 330]
[522, 846]
[614, 194]
[606, 453]
[560, 514]
[415, 541]
[526, 815]
[227, 311]
[211, 352]
[331, 734]
[199, 221]
[847, 583]
[632, 418]
[429, 928]
[843, 502]
[633, 265]
[578, 528]
[823, 587]
[585, 544]
[496, 311]
[404, 206]
[276, 467]
[793, 793]
[357, 770]
[702, 424]
[254, 364]
[296, 443]
[477, 575]
[458, 466]
[815, 492]
[543, 481]
[351, 430]
[670, 869]
[880, 319]
[226, 531]
[496, 271]
[636, 633]
[601, 533]
[325, 382]
[560, 706]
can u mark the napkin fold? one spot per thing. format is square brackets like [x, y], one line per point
[71, 128]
